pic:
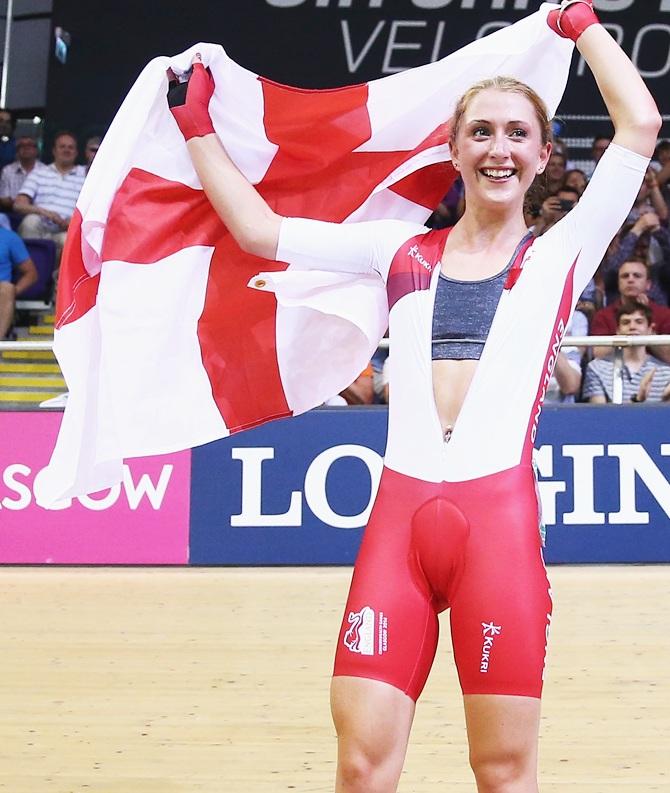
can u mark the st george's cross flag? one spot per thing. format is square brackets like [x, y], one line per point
[167, 336]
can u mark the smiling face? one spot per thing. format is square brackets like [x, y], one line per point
[499, 148]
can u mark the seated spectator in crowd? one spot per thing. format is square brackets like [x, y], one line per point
[14, 260]
[575, 178]
[48, 197]
[361, 391]
[598, 148]
[645, 378]
[90, 150]
[634, 286]
[14, 175]
[561, 147]
[661, 164]
[7, 143]
[555, 172]
[385, 380]
[649, 199]
[554, 208]
[450, 208]
[645, 240]
[566, 381]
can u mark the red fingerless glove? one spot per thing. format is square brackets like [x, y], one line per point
[573, 19]
[189, 102]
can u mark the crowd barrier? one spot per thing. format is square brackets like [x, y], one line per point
[298, 491]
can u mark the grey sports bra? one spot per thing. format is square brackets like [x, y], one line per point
[464, 311]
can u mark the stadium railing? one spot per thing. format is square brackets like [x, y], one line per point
[619, 343]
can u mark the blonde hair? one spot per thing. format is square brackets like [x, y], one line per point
[511, 85]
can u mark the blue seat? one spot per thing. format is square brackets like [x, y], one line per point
[43, 254]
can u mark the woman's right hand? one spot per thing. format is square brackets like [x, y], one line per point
[244, 212]
[189, 101]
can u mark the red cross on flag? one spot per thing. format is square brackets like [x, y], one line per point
[162, 343]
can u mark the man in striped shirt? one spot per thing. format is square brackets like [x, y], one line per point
[645, 378]
[15, 174]
[48, 196]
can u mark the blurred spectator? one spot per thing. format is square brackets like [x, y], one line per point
[649, 199]
[645, 378]
[14, 259]
[645, 240]
[532, 205]
[48, 197]
[378, 359]
[634, 285]
[561, 147]
[450, 208]
[555, 172]
[385, 380]
[7, 144]
[554, 208]
[598, 147]
[90, 150]
[662, 164]
[361, 391]
[14, 175]
[566, 381]
[575, 178]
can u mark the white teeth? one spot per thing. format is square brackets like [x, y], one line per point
[497, 174]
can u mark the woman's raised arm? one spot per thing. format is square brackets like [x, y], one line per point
[245, 213]
[630, 105]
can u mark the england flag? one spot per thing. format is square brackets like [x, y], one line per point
[163, 344]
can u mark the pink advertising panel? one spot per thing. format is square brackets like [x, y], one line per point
[144, 520]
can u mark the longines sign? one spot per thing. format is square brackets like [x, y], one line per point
[299, 491]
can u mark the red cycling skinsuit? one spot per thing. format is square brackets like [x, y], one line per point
[455, 525]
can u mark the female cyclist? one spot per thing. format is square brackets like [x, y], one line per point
[476, 318]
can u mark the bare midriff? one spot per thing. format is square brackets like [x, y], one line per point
[451, 380]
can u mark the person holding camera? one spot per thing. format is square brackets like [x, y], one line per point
[555, 208]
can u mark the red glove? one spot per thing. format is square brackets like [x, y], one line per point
[189, 102]
[572, 19]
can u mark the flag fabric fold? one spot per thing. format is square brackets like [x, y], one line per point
[164, 337]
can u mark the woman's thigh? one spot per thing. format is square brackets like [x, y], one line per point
[501, 614]
[389, 631]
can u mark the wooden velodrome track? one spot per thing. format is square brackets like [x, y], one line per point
[216, 680]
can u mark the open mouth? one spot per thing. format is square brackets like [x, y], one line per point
[498, 174]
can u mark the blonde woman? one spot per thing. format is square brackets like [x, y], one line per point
[477, 313]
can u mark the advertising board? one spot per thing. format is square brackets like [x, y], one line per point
[143, 520]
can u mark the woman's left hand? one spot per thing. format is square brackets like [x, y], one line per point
[572, 18]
